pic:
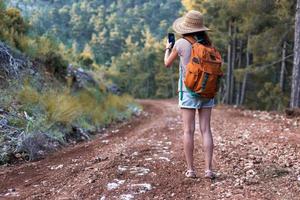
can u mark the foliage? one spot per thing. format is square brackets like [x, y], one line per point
[269, 94]
[125, 39]
[37, 122]
[100, 34]
[14, 30]
[103, 25]
[63, 107]
[45, 113]
[86, 57]
[139, 70]
[12, 25]
[267, 24]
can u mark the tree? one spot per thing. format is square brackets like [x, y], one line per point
[229, 75]
[86, 57]
[283, 66]
[295, 93]
[246, 73]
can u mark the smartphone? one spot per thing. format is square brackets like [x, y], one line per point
[171, 39]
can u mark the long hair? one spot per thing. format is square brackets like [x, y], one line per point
[202, 37]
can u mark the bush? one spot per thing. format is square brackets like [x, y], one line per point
[12, 26]
[37, 144]
[55, 63]
[46, 50]
[15, 20]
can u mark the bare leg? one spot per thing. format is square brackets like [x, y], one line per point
[188, 116]
[208, 145]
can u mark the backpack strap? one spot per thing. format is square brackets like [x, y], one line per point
[180, 83]
[190, 39]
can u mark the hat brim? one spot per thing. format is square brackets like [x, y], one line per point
[180, 28]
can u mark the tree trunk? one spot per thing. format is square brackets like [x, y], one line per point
[233, 62]
[281, 83]
[239, 65]
[246, 73]
[229, 61]
[296, 68]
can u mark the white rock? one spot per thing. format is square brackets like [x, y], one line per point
[140, 171]
[115, 184]
[126, 197]
[164, 158]
[143, 187]
[122, 168]
[135, 154]
[105, 141]
[57, 167]
[228, 194]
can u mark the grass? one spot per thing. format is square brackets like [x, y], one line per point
[44, 119]
[65, 107]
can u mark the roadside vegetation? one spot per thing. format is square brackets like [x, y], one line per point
[48, 98]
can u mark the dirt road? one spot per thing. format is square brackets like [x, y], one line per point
[256, 157]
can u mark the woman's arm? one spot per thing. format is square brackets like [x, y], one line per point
[170, 55]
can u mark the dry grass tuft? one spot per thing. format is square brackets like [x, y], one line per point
[61, 107]
[65, 107]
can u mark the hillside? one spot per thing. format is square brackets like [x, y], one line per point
[48, 102]
[119, 37]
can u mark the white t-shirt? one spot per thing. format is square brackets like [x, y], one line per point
[183, 48]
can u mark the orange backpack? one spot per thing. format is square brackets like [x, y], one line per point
[203, 72]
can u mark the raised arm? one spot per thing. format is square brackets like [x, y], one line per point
[170, 55]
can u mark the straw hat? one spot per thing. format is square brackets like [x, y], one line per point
[190, 23]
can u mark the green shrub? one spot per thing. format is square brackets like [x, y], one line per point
[12, 26]
[46, 50]
[55, 63]
[17, 122]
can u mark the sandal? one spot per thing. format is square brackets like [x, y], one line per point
[190, 173]
[209, 174]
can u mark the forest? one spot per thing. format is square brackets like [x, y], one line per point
[110, 36]
[127, 37]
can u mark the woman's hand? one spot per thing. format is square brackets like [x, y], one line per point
[169, 45]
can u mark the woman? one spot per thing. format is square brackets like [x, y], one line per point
[192, 25]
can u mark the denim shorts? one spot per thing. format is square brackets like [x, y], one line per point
[189, 101]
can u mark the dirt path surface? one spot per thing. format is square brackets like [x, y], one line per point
[256, 157]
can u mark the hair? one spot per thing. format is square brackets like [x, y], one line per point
[202, 37]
